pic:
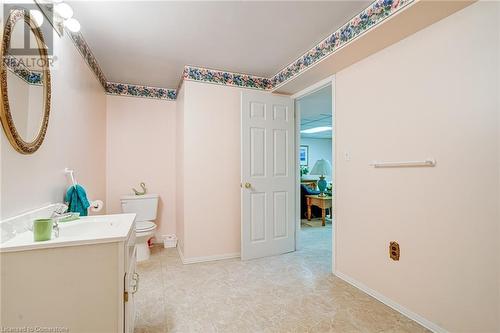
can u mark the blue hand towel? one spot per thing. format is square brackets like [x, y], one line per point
[76, 197]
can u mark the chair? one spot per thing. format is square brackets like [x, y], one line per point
[306, 190]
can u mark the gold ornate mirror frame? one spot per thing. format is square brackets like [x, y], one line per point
[5, 113]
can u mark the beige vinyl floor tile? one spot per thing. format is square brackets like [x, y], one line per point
[294, 292]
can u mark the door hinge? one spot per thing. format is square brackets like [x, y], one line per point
[125, 296]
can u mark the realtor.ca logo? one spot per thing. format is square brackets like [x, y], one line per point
[28, 37]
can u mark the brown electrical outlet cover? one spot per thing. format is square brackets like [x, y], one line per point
[394, 251]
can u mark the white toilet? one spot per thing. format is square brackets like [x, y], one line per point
[145, 206]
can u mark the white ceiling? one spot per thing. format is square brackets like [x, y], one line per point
[316, 111]
[149, 42]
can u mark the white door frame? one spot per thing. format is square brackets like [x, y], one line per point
[309, 90]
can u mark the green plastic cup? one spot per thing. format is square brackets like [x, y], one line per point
[42, 229]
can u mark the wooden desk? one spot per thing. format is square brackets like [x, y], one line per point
[322, 202]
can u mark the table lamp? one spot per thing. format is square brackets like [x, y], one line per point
[321, 168]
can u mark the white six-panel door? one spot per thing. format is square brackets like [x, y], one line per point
[267, 175]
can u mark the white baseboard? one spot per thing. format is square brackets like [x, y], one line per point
[194, 260]
[401, 309]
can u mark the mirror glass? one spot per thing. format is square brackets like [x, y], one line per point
[25, 84]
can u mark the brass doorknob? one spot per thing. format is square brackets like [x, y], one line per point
[248, 185]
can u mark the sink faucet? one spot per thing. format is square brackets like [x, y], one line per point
[56, 217]
[58, 214]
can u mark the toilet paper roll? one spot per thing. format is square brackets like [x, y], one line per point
[96, 205]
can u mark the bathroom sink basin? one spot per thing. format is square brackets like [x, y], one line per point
[87, 226]
[86, 230]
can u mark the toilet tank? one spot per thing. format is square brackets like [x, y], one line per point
[145, 206]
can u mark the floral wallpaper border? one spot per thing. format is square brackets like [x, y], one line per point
[113, 88]
[124, 89]
[373, 15]
[193, 73]
[88, 56]
[20, 70]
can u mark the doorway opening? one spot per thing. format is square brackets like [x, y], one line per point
[315, 183]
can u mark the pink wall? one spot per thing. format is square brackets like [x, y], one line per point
[211, 159]
[141, 148]
[76, 138]
[436, 97]
[179, 167]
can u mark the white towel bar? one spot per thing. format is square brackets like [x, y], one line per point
[403, 164]
[70, 172]
[96, 205]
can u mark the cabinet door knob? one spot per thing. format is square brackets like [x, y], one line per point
[248, 185]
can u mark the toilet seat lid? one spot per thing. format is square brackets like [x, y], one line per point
[145, 226]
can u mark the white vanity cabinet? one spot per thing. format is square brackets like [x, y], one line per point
[83, 284]
[130, 288]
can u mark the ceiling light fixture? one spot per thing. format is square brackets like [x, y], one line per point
[316, 129]
[72, 24]
[64, 11]
[64, 18]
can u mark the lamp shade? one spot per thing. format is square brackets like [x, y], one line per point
[322, 168]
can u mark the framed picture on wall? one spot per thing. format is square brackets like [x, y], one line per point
[304, 155]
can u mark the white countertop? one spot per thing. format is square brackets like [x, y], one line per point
[86, 230]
